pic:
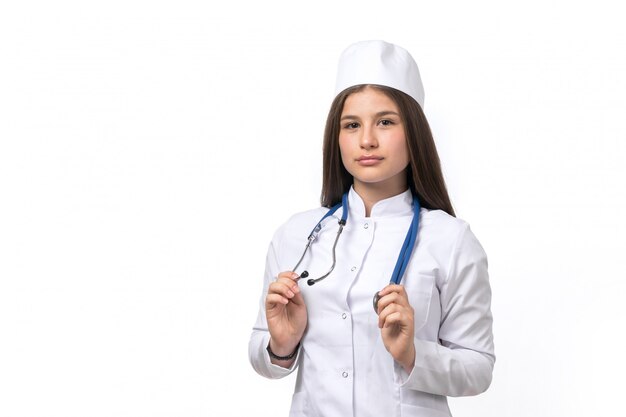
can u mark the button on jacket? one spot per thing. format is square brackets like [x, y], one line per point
[343, 366]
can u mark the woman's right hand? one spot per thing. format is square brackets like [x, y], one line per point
[286, 313]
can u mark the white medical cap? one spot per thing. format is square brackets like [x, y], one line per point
[382, 63]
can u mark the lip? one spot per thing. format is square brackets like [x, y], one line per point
[369, 160]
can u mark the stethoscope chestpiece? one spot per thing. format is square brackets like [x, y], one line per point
[375, 302]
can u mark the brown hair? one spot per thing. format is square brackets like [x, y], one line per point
[424, 174]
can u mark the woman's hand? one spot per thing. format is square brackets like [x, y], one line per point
[395, 319]
[286, 314]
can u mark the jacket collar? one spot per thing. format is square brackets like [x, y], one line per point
[398, 205]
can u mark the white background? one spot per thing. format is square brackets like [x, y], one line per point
[148, 150]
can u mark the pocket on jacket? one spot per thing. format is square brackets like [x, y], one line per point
[419, 288]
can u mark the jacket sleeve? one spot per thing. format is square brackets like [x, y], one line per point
[461, 363]
[257, 347]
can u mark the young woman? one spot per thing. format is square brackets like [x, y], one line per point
[392, 313]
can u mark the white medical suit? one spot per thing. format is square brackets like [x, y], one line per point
[343, 367]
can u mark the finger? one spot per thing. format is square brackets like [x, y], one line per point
[272, 300]
[281, 287]
[392, 298]
[394, 289]
[297, 299]
[287, 288]
[391, 288]
[395, 319]
[288, 275]
[290, 279]
[389, 310]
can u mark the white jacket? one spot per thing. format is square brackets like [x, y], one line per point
[343, 366]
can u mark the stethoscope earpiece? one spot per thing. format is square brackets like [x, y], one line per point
[305, 274]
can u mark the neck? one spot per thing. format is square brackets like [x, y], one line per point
[373, 193]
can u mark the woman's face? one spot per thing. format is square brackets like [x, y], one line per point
[372, 142]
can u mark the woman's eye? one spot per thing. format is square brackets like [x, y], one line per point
[386, 122]
[352, 125]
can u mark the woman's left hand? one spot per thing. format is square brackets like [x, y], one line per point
[395, 319]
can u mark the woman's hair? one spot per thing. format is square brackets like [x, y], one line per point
[424, 174]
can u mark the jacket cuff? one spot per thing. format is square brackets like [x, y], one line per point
[277, 370]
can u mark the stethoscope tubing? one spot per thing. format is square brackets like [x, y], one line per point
[407, 247]
[403, 257]
[318, 227]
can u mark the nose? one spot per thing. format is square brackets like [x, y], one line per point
[368, 138]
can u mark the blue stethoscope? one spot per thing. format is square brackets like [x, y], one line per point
[403, 257]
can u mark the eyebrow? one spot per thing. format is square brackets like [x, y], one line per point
[379, 114]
